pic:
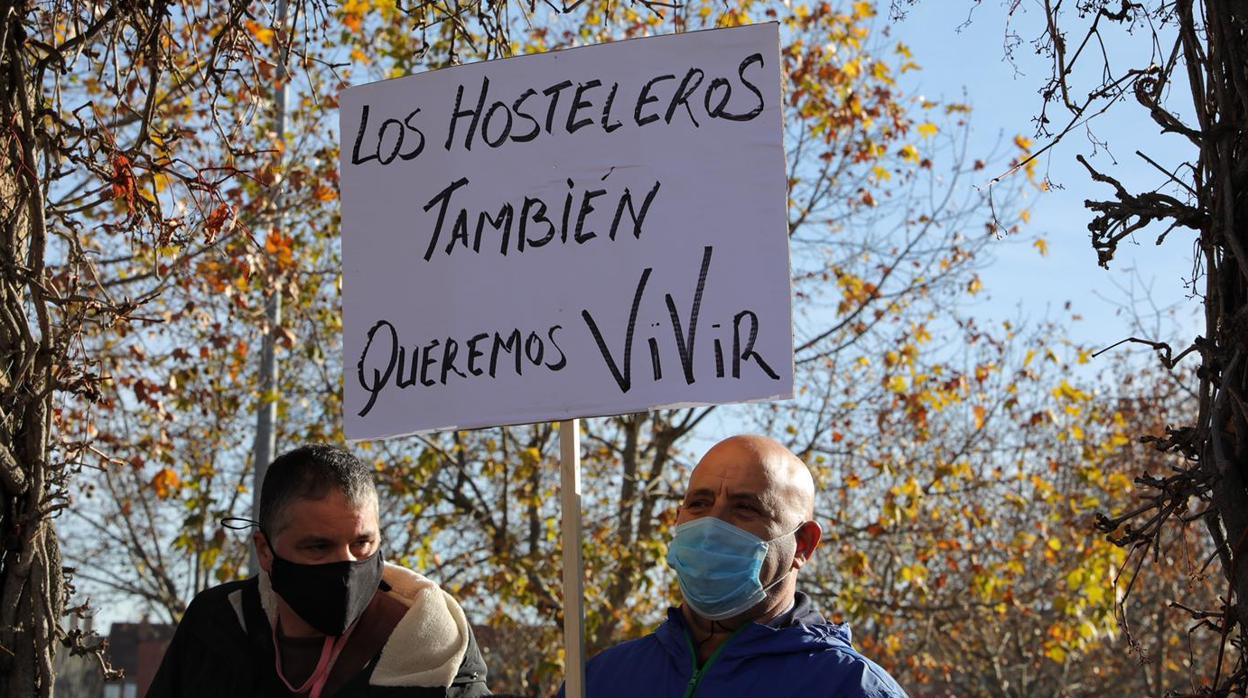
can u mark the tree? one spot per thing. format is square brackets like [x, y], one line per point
[961, 544]
[129, 159]
[81, 201]
[1194, 85]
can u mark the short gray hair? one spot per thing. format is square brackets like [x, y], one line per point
[311, 472]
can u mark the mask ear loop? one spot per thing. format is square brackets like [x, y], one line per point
[242, 523]
[782, 577]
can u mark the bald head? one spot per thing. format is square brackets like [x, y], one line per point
[755, 471]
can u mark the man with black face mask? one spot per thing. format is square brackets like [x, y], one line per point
[326, 617]
[744, 529]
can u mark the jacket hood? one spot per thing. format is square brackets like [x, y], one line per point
[801, 630]
[428, 645]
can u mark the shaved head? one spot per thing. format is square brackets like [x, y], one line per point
[785, 481]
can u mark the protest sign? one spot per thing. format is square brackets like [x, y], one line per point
[592, 231]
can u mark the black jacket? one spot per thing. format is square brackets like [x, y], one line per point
[223, 648]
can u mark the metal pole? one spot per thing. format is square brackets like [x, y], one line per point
[573, 566]
[266, 411]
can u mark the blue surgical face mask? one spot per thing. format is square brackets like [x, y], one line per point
[718, 566]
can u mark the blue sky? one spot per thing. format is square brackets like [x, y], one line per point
[964, 62]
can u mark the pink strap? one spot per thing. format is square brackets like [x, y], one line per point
[320, 675]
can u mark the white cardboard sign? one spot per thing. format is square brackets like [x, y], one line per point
[593, 231]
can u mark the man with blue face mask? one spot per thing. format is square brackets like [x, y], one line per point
[745, 528]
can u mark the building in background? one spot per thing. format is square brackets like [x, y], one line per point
[133, 648]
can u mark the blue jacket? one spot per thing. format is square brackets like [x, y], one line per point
[798, 655]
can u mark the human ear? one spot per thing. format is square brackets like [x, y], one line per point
[808, 536]
[264, 554]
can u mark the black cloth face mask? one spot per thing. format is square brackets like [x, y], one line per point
[329, 596]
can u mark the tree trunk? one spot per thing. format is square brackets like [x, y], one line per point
[31, 584]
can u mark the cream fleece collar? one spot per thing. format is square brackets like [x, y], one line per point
[429, 643]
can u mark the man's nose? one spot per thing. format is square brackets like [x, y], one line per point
[720, 510]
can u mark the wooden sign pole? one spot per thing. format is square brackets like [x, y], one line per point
[573, 566]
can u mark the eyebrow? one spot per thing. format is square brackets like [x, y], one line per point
[737, 497]
[748, 497]
[317, 540]
[313, 540]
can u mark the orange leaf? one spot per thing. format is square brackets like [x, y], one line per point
[215, 220]
[123, 184]
[165, 482]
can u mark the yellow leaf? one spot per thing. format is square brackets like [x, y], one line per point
[1023, 142]
[1025, 215]
[1069, 392]
[262, 33]
[975, 286]
[1042, 246]
[928, 130]
[980, 413]
[882, 174]
[1087, 631]
[165, 482]
[863, 10]
[909, 153]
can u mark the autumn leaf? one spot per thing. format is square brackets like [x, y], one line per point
[261, 33]
[165, 482]
[215, 221]
[280, 248]
[123, 184]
